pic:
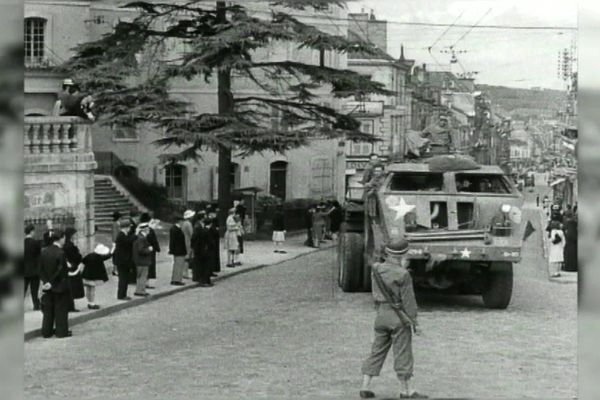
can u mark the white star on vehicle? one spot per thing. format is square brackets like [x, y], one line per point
[402, 208]
[466, 253]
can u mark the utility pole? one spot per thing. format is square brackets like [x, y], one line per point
[225, 102]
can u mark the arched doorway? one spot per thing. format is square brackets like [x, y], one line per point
[278, 179]
[126, 171]
[175, 181]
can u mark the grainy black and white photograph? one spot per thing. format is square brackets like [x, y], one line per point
[294, 199]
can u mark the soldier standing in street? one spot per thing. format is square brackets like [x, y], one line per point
[395, 322]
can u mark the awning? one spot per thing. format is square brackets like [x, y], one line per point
[558, 181]
[251, 189]
[460, 117]
[464, 102]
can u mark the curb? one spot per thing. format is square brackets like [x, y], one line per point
[103, 312]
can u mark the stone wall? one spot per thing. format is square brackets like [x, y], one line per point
[59, 175]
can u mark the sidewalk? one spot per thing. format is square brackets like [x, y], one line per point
[257, 254]
[565, 276]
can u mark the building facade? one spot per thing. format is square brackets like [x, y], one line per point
[54, 27]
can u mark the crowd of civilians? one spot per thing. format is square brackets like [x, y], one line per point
[56, 266]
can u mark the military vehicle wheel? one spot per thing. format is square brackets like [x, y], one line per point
[497, 288]
[350, 261]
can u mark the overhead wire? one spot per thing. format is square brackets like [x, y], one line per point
[473, 27]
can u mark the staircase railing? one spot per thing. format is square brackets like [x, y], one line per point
[108, 162]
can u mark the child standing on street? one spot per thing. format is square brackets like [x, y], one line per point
[94, 273]
[279, 230]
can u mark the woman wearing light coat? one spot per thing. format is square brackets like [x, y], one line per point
[556, 249]
[231, 237]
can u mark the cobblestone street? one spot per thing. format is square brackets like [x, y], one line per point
[287, 331]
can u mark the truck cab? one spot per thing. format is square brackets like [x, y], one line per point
[463, 227]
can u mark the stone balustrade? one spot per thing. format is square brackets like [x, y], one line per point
[59, 169]
[56, 135]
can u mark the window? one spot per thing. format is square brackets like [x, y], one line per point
[363, 149]
[34, 41]
[123, 133]
[278, 179]
[278, 122]
[482, 183]
[416, 182]
[321, 183]
[175, 181]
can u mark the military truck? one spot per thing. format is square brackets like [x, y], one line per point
[462, 224]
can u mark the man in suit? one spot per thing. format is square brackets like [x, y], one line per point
[123, 257]
[55, 285]
[31, 263]
[179, 251]
[48, 234]
[201, 269]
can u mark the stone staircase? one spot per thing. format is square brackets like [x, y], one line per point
[109, 197]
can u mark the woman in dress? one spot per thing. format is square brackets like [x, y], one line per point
[231, 238]
[94, 273]
[556, 251]
[74, 258]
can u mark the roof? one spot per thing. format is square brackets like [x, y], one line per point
[437, 78]
[360, 55]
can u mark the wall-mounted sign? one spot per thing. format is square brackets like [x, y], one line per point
[363, 107]
[360, 165]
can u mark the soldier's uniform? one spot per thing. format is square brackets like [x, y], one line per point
[390, 330]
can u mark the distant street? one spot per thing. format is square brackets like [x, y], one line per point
[287, 331]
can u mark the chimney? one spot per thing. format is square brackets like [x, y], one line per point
[424, 67]
[372, 17]
[402, 52]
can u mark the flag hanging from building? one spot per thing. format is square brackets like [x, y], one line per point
[529, 229]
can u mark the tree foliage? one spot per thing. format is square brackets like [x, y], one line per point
[129, 71]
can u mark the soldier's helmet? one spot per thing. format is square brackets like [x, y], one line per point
[397, 247]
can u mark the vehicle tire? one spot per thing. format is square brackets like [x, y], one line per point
[498, 284]
[350, 261]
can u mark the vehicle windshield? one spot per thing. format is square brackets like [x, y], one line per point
[416, 182]
[482, 183]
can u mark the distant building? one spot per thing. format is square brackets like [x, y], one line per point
[386, 117]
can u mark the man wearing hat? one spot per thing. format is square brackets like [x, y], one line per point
[178, 250]
[188, 230]
[63, 97]
[123, 257]
[395, 322]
